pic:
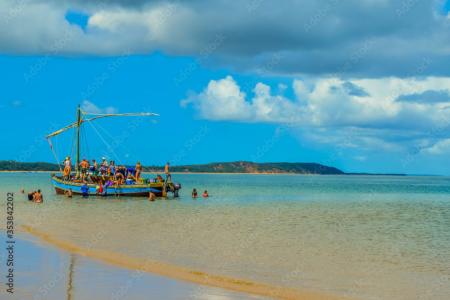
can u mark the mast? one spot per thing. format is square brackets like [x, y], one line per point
[77, 166]
[80, 120]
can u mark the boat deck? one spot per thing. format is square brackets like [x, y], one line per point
[139, 189]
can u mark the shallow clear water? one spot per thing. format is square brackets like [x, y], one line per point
[44, 273]
[370, 237]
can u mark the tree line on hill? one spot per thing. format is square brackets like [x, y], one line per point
[220, 167]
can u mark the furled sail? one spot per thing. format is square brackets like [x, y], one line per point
[59, 131]
[82, 118]
[98, 116]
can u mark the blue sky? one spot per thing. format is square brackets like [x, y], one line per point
[256, 86]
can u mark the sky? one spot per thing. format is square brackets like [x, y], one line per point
[363, 86]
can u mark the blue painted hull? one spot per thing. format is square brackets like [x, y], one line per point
[141, 190]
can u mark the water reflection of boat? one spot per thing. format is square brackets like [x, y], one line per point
[69, 290]
[76, 184]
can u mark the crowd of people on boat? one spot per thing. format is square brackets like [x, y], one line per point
[105, 175]
[103, 172]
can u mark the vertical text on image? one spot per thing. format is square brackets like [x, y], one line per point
[10, 241]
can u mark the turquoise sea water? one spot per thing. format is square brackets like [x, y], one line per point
[369, 237]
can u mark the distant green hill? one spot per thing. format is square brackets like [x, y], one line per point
[10, 165]
[251, 167]
[221, 167]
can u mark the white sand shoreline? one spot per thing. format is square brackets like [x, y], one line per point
[181, 273]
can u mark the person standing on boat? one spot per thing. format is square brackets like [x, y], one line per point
[67, 168]
[112, 168]
[166, 171]
[84, 165]
[138, 170]
[120, 174]
[94, 168]
[120, 178]
[104, 166]
[103, 170]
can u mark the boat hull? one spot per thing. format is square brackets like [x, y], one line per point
[137, 190]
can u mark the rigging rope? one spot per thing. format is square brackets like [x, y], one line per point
[110, 147]
[73, 144]
[94, 117]
[54, 154]
[112, 138]
[86, 143]
[104, 142]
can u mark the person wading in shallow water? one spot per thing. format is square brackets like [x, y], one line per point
[31, 195]
[37, 197]
[194, 193]
[68, 193]
[151, 196]
[85, 190]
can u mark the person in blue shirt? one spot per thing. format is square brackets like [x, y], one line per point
[130, 170]
[112, 168]
[85, 190]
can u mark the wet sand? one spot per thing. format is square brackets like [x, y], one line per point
[198, 279]
[43, 272]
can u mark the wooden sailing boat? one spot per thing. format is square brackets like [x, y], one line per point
[75, 184]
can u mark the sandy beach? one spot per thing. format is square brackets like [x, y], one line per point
[170, 271]
[45, 272]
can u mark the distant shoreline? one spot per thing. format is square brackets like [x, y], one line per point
[235, 167]
[236, 173]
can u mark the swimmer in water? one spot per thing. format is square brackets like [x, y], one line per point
[68, 193]
[37, 197]
[31, 195]
[151, 196]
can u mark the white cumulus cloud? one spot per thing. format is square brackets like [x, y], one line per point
[369, 107]
[90, 107]
[354, 38]
[441, 147]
